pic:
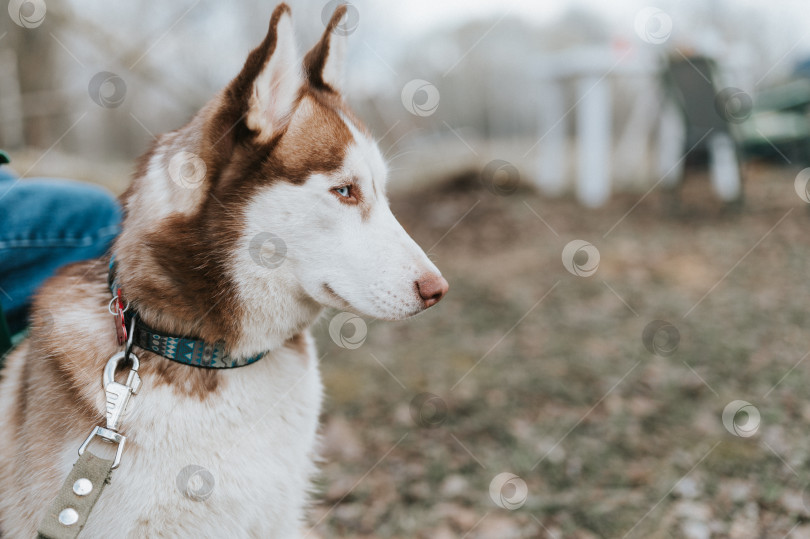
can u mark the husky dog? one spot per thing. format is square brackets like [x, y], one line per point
[239, 228]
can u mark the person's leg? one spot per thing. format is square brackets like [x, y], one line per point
[45, 224]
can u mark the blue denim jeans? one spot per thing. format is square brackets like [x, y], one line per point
[45, 224]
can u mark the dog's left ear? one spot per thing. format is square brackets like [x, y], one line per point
[324, 62]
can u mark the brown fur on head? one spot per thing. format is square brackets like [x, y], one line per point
[174, 270]
[269, 155]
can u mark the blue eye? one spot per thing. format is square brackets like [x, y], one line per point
[344, 191]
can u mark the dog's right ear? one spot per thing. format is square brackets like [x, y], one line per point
[268, 85]
[324, 63]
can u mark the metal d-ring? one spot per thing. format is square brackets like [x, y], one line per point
[110, 306]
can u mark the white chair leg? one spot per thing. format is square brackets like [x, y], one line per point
[671, 145]
[724, 167]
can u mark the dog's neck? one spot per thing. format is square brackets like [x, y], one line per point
[171, 299]
[180, 251]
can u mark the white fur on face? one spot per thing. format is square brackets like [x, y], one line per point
[340, 255]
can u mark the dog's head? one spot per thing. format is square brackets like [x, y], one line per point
[278, 186]
[329, 209]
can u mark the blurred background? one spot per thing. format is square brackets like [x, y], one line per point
[616, 193]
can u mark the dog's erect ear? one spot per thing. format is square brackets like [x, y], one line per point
[324, 63]
[273, 74]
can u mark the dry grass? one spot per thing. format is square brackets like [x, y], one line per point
[608, 437]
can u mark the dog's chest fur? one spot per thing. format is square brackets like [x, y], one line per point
[255, 436]
[254, 431]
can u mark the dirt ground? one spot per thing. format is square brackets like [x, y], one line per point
[528, 369]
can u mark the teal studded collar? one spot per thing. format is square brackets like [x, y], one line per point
[182, 349]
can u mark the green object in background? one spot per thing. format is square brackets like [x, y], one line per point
[4, 159]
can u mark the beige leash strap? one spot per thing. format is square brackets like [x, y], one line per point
[68, 513]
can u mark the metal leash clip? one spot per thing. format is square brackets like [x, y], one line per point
[118, 396]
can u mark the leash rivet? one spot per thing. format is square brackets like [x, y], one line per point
[68, 517]
[82, 487]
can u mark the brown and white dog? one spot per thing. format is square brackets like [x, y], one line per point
[280, 153]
